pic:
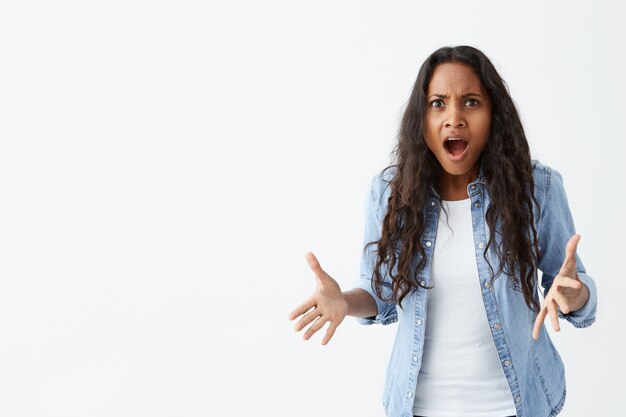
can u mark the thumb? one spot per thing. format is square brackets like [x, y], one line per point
[570, 251]
[314, 264]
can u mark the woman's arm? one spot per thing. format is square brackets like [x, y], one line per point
[556, 228]
[328, 304]
[383, 312]
[360, 303]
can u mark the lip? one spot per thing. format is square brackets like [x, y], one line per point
[455, 136]
[455, 158]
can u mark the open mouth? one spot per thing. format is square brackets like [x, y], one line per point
[455, 146]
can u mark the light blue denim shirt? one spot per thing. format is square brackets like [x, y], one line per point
[533, 368]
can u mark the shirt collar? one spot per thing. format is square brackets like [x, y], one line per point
[473, 187]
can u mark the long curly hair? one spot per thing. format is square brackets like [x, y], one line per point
[507, 170]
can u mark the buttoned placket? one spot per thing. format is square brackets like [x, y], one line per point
[477, 193]
[420, 318]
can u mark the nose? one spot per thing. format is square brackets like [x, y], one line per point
[454, 118]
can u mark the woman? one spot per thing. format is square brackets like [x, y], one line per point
[469, 340]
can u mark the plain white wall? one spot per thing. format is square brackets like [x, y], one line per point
[165, 165]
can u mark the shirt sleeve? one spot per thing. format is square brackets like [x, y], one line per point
[387, 313]
[556, 227]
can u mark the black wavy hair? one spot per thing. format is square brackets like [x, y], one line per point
[507, 168]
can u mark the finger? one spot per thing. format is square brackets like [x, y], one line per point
[570, 250]
[314, 327]
[329, 332]
[561, 302]
[315, 265]
[554, 315]
[302, 308]
[539, 321]
[307, 318]
[564, 281]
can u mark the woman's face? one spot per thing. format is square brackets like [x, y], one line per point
[457, 107]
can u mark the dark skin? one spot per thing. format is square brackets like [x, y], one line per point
[567, 292]
[458, 106]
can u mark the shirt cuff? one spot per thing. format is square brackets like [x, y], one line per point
[586, 315]
[387, 312]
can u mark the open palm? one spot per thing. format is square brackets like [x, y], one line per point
[326, 304]
[566, 291]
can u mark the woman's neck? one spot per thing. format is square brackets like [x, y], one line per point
[454, 187]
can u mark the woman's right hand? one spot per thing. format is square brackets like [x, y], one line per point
[327, 300]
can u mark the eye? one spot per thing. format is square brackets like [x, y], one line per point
[436, 101]
[474, 100]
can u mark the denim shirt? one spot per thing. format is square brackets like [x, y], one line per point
[533, 368]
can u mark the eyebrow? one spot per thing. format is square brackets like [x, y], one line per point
[446, 96]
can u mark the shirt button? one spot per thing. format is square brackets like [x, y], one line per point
[432, 203]
[477, 204]
[473, 187]
[419, 322]
[423, 283]
[409, 394]
[481, 245]
[429, 243]
[487, 284]
[517, 399]
[507, 362]
[497, 326]
[414, 358]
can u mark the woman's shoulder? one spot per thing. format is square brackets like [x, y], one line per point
[380, 188]
[544, 177]
[386, 174]
[383, 178]
[540, 169]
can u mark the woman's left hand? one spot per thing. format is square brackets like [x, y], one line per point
[567, 292]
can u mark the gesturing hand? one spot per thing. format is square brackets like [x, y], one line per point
[327, 300]
[567, 291]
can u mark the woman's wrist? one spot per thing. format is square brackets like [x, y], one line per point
[360, 303]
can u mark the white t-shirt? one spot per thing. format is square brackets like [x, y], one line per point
[461, 373]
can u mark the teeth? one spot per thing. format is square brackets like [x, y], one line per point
[455, 139]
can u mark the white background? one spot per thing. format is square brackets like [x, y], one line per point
[165, 165]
